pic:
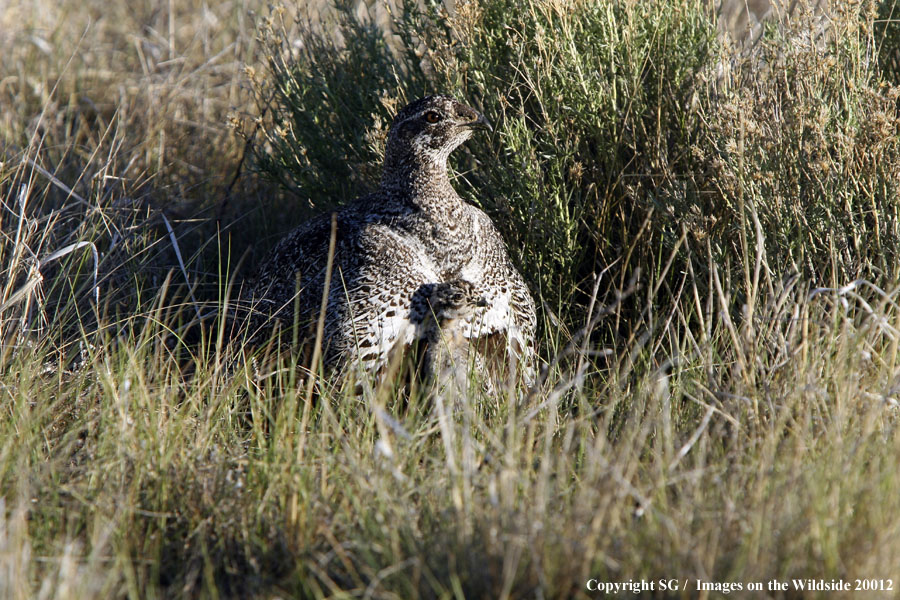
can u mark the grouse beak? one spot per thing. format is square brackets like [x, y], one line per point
[482, 301]
[481, 123]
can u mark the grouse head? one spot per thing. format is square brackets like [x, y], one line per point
[454, 299]
[425, 132]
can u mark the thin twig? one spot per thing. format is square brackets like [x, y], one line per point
[573, 344]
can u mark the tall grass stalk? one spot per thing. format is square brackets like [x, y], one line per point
[712, 239]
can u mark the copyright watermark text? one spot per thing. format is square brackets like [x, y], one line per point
[638, 586]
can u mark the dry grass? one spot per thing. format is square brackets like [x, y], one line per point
[720, 403]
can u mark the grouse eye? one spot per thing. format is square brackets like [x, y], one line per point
[432, 117]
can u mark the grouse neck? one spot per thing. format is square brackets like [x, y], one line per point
[422, 183]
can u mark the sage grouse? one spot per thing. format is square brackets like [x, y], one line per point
[392, 248]
[448, 352]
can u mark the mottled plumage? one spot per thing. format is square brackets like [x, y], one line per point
[393, 250]
[448, 352]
